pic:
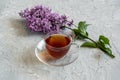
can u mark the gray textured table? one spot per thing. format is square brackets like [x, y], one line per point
[17, 58]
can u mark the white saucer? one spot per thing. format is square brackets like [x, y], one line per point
[43, 55]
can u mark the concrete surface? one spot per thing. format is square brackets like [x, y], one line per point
[17, 58]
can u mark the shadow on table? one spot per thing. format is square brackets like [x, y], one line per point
[28, 58]
[21, 28]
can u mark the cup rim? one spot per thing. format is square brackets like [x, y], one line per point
[58, 47]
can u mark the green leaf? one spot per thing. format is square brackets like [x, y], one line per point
[81, 32]
[82, 27]
[89, 44]
[107, 51]
[78, 34]
[104, 45]
[104, 41]
[76, 31]
[80, 37]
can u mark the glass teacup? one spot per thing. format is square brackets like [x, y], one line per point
[57, 44]
[57, 49]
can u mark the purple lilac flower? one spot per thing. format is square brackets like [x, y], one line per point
[41, 19]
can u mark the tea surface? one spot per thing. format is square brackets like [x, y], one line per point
[58, 40]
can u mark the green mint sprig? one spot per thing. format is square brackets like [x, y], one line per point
[103, 42]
